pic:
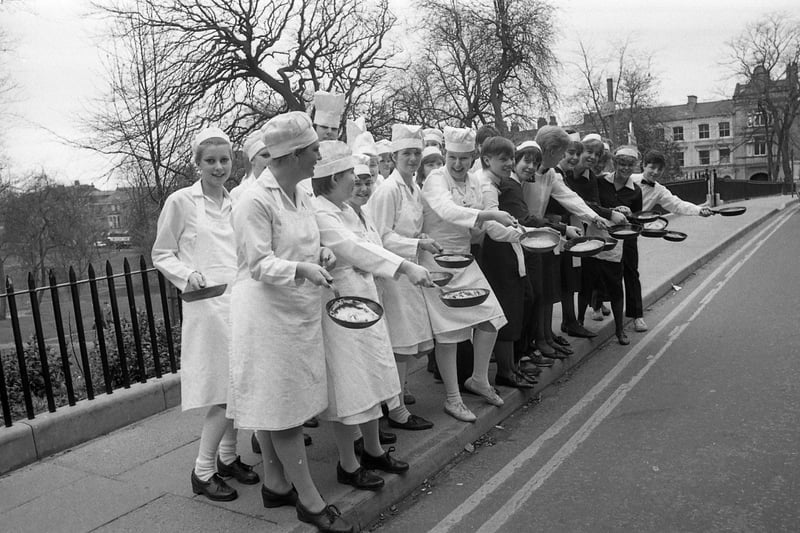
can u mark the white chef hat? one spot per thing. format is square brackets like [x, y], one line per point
[591, 137]
[528, 144]
[252, 145]
[361, 164]
[574, 137]
[433, 134]
[606, 147]
[431, 150]
[335, 157]
[328, 108]
[459, 139]
[288, 132]
[211, 132]
[627, 151]
[384, 146]
[406, 136]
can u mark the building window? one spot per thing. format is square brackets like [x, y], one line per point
[759, 148]
[677, 133]
[705, 157]
[113, 221]
[702, 131]
[678, 157]
[755, 118]
[724, 156]
[724, 129]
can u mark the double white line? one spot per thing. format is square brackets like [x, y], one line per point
[495, 523]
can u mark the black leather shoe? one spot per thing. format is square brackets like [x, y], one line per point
[311, 422]
[273, 499]
[361, 479]
[528, 368]
[329, 520]
[214, 489]
[527, 376]
[576, 330]
[623, 339]
[386, 437]
[515, 382]
[384, 463]
[540, 360]
[241, 472]
[414, 423]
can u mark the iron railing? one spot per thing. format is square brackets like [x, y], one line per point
[38, 369]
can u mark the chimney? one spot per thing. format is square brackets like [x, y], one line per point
[610, 88]
[553, 121]
[692, 102]
[541, 122]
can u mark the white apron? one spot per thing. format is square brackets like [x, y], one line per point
[454, 324]
[205, 331]
[403, 302]
[360, 363]
[277, 358]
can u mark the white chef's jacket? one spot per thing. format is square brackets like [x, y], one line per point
[653, 194]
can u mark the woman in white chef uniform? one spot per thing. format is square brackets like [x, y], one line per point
[258, 157]
[361, 367]
[396, 208]
[278, 377]
[194, 248]
[454, 208]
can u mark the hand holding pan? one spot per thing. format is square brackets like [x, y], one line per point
[729, 211]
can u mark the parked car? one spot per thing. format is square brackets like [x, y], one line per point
[119, 240]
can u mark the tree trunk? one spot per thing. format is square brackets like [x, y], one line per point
[3, 301]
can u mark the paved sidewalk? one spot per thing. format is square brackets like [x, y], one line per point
[137, 478]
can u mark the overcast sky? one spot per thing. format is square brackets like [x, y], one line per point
[57, 64]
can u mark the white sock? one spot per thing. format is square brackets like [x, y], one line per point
[213, 428]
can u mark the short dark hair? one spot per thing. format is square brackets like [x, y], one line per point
[537, 153]
[654, 157]
[496, 146]
[484, 132]
[325, 185]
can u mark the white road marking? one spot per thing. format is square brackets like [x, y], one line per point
[504, 513]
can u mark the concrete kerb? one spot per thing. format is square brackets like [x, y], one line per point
[30, 440]
[361, 508]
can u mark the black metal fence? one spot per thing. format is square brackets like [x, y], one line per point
[728, 189]
[66, 357]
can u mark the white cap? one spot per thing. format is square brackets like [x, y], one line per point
[606, 147]
[359, 139]
[627, 151]
[591, 137]
[459, 139]
[384, 146]
[288, 132]
[328, 109]
[361, 164]
[431, 150]
[336, 157]
[529, 144]
[211, 132]
[406, 136]
[252, 145]
[574, 137]
[433, 134]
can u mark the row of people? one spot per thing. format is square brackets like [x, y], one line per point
[265, 357]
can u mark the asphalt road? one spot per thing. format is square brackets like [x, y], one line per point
[693, 427]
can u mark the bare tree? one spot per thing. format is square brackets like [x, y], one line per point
[484, 62]
[48, 225]
[767, 49]
[254, 58]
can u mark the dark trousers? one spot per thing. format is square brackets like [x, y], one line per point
[630, 275]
